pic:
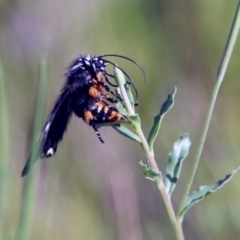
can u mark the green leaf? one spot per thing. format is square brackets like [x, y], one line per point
[176, 156]
[150, 173]
[127, 133]
[118, 92]
[200, 193]
[129, 93]
[167, 105]
[121, 108]
[122, 103]
[119, 76]
[135, 119]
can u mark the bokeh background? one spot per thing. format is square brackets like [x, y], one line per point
[90, 190]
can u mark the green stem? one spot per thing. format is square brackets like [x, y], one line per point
[138, 130]
[27, 209]
[4, 148]
[166, 198]
[219, 78]
[168, 204]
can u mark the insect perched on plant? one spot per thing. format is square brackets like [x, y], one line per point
[86, 93]
[91, 75]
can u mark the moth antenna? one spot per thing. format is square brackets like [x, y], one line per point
[129, 59]
[131, 81]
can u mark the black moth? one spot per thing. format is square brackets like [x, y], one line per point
[87, 94]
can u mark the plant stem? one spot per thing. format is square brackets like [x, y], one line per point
[27, 209]
[4, 149]
[168, 204]
[219, 78]
[138, 130]
[166, 198]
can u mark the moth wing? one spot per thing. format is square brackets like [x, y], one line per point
[53, 130]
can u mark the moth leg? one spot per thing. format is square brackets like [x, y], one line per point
[98, 133]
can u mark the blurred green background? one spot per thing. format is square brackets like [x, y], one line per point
[90, 190]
